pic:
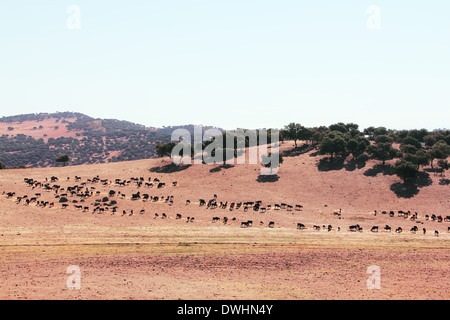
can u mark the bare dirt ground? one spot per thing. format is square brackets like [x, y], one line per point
[140, 256]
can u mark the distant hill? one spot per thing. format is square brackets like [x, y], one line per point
[36, 140]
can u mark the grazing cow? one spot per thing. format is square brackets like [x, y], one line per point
[300, 226]
[225, 220]
[330, 227]
[447, 219]
[136, 196]
[271, 224]
[163, 216]
[212, 204]
[316, 227]
[298, 207]
[202, 202]
[399, 230]
[178, 217]
[174, 183]
[436, 233]
[355, 228]
[374, 229]
[161, 185]
[244, 224]
[215, 219]
[424, 231]
[414, 229]
[10, 194]
[188, 202]
[142, 211]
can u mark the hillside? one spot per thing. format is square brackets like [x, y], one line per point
[143, 250]
[36, 140]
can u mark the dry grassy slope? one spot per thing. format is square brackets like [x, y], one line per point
[48, 130]
[139, 257]
[300, 182]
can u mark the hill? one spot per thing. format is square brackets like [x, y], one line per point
[35, 140]
[144, 250]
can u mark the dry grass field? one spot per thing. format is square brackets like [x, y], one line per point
[143, 256]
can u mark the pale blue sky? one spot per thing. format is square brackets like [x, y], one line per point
[229, 63]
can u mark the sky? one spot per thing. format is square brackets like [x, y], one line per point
[229, 63]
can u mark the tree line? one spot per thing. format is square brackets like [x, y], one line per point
[413, 149]
[416, 148]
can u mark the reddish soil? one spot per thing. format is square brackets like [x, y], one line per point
[50, 129]
[140, 256]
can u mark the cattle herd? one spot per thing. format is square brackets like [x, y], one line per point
[100, 196]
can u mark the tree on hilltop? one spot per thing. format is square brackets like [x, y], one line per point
[63, 159]
[405, 169]
[383, 151]
[440, 150]
[333, 143]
